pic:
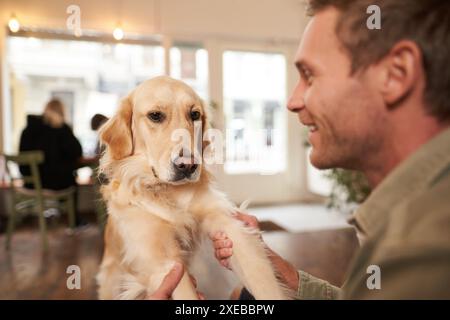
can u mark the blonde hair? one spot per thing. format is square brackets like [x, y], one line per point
[54, 113]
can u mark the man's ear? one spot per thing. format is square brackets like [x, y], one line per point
[117, 134]
[403, 70]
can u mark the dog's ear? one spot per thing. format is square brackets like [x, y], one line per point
[117, 134]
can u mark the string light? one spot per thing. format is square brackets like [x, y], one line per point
[13, 24]
[118, 33]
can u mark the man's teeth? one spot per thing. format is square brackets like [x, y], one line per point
[312, 127]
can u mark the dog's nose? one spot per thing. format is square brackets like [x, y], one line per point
[185, 166]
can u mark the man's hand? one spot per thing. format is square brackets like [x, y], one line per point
[170, 282]
[223, 247]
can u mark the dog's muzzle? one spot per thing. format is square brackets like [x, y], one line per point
[183, 168]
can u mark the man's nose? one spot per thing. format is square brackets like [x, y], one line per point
[297, 102]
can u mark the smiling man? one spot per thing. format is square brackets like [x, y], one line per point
[378, 101]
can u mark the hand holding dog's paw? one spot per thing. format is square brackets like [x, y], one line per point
[248, 220]
[223, 246]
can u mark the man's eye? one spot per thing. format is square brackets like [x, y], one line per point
[156, 116]
[308, 77]
[195, 115]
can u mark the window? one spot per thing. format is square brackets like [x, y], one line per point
[190, 64]
[254, 96]
[89, 77]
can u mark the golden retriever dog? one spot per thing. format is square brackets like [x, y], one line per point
[161, 199]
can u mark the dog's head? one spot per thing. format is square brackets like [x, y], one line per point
[159, 125]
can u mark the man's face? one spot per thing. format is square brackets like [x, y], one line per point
[344, 113]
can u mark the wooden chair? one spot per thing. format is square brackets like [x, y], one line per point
[37, 198]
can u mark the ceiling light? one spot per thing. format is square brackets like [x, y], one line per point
[118, 33]
[13, 24]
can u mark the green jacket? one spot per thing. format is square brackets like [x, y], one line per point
[404, 229]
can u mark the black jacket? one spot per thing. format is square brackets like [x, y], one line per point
[61, 151]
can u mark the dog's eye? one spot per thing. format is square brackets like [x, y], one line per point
[195, 115]
[156, 116]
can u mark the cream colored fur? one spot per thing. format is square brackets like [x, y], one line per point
[154, 221]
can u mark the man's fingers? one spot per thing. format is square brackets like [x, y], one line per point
[193, 280]
[224, 253]
[169, 282]
[221, 244]
[250, 221]
[201, 296]
[225, 263]
[218, 236]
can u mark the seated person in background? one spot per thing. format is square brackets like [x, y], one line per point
[96, 122]
[62, 151]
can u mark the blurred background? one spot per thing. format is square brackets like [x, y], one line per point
[239, 57]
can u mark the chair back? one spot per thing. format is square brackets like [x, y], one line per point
[30, 160]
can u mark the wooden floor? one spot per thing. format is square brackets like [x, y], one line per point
[27, 273]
